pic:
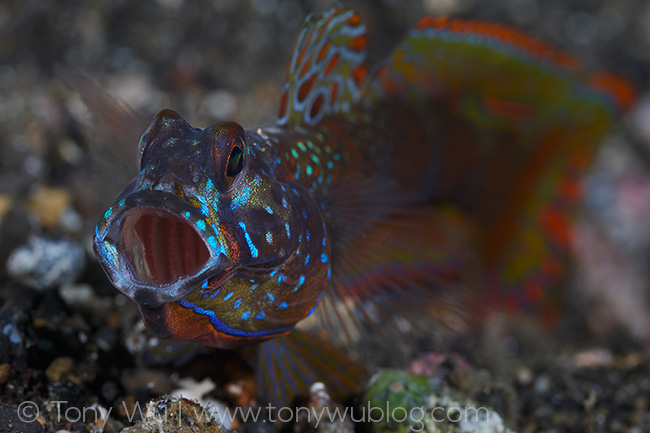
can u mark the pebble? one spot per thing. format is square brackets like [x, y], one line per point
[5, 373]
[321, 403]
[400, 402]
[11, 422]
[45, 262]
[76, 293]
[6, 203]
[143, 379]
[198, 391]
[59, 369]
[49, 205]
[179, 415]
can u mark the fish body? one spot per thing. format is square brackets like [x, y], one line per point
[370, 199]
[198, 229]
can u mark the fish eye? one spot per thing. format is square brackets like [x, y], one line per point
[235, 162]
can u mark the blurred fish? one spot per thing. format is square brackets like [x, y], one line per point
[413, 198]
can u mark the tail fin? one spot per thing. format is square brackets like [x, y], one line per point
[521, 122]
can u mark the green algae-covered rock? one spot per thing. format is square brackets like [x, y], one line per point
[399, 402]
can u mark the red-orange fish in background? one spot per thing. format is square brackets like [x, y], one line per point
[373, 201]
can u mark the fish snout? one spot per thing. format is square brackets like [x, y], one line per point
[156, 248]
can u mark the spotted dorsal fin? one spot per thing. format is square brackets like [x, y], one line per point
[326, 69]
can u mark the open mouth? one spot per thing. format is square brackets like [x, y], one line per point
[162, 247]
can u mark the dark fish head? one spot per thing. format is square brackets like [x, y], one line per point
[206, 239]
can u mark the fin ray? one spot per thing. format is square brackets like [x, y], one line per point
[288, 365]
[326, 68]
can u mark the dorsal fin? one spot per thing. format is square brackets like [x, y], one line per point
[326, 68]
[500, 76]
[521, 122]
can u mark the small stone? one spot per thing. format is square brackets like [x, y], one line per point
[142, 379]
[10, 421]
[76, 293]
[43, 262]
[60, 368]
[49, 204]
[320, 402]
[176, 414]
[127, 407]
[524, 375]
[594, 358]
[6, 203]
[5, 373]
[401, 409]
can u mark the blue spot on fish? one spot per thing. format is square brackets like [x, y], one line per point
[246, 315]
[282, 306]
[301, 280]
[249, 241]
[260, 315]
[228, 296]
[200, 225]
[269, 210]
[242, 197]
[324, 258]
[237, 303]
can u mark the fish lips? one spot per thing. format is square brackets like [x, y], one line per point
[156, 248]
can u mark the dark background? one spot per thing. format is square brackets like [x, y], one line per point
[225, 60]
